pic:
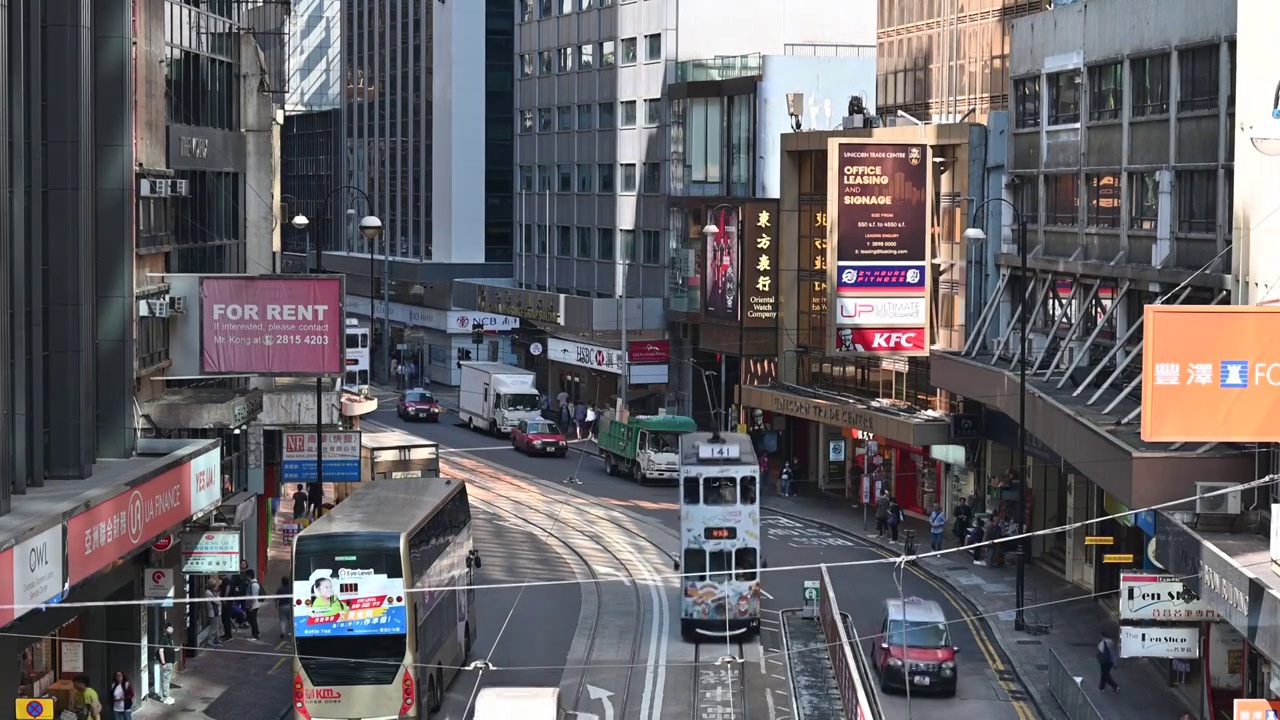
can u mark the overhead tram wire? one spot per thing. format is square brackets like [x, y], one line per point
[1267, 480]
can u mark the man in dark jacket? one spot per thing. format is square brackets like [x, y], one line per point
[882, 513]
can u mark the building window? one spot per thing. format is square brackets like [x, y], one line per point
[604, 115]
[703, 140]
[1062, 200]
[1144, 201]
[566, 7]
[153, 339]
[1231, 75]
[628, 177]
[1198, 79]
[526, 10]
[1026, 196]
[608, 54]
[544, 119]
[1027, 96]
[651, 181]
[628, 245]
[564, 241]
[652, 112]
[584, 4]
[544, 9]
[526, 65]
[155, 224]
[604, 244]
[1104, 200]
[585, 117]
[564, 176]
[1150, 79]
[544, 178]
[586, 56]
[1064, 97]
[606, 177]
[584, 243]
[586, 178]
[542, 239]
[526, 178]
[526, 121]
[544, 62]
[564, 118]
[1197, 201]
[651, 247]
[628, 51]
[653, 47]
[1106, 84]
[564, 60]
[628, 119]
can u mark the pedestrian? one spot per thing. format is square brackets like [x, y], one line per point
[882, 513]
[785, 477]
[121, 697]
[937, 526]
[1186, 716]
[994, 553]
[225, 612]
[215, 607]
[253, 603]
[964, 517]
[580, 420]
[315, 498]
[166, 654]
[284, 608]
[894, 519]
[87, 704]
[974, 538]
[1106, 662]
[592, 417]
[300, 502]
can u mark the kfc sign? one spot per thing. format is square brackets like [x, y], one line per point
[887, 311]
[592, 357]
[882, 341]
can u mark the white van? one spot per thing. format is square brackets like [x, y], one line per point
[526, 703]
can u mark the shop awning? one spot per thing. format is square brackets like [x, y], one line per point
[913, 428]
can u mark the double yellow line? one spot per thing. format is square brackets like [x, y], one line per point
[989, 652]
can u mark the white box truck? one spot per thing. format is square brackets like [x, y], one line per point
[496, 397]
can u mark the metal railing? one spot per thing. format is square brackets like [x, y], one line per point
[1069, 691]
[857, 693]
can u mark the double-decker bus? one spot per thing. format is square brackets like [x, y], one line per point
[358, 356]
[719, 536]
[377, 631]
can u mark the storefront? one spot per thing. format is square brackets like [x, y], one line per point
[838, 443]
[103, 564]
[1243, 664]
[432, 339]
[591, 373]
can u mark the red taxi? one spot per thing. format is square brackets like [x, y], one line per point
[418, 404]
[914, 647]
[539, 437]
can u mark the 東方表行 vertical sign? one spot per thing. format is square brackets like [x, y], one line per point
[760, 260]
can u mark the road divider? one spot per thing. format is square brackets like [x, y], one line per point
[853, 677]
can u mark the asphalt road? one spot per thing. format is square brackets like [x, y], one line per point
[789, 542]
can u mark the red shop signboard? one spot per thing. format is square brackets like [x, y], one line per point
[109, 531]
[6, 588]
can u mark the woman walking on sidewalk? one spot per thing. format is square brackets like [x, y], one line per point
[121, 697]
[894, 519]
[1107, 656]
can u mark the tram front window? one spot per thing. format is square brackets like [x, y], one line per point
[719, 491]
[745, 563]
[748, 491]
[695, 564]
[720, 565]
[691, 494]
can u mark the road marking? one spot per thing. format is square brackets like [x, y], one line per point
[276, 668]
[616, 573]
[773, 710]
[603, 696]
[778, 676]
[764, 668]
[766, 595]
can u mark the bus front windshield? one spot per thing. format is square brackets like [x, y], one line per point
[520, 402]
[332, 575]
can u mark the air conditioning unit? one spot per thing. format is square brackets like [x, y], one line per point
[1036, 343]
[155, 307]
[1222, 504]
[177, 303]
[1071, 352]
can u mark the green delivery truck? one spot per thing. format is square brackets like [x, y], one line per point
[644, 447]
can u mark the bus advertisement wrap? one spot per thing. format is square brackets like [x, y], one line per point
[348, 602]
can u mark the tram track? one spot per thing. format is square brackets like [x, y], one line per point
[719, 683]
[612, 652]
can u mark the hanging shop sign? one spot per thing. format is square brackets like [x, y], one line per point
[760, 266]
[1146, 596]
[341, 457]
[38, 570]
[592, 357]
[210, 552]
[541, 307]
[1182, 643]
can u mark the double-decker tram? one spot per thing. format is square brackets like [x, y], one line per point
[379, 631]
[719, 536]
[358, 356]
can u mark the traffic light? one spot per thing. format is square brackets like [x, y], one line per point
[460, 356]
[477, 334]
[466, 355]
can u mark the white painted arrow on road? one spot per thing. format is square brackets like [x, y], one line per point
[766, 595]
[603, 696]
[625, 581]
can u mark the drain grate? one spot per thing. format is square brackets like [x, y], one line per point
[1029, 642]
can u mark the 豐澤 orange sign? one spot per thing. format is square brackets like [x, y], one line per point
[1255, 710]
[1210, 374]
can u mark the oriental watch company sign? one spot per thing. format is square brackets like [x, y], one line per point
[531, 305]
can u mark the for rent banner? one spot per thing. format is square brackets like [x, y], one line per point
[271, 326]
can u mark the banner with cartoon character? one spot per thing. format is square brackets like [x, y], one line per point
[348, 602]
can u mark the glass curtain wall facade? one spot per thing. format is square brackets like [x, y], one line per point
[499, 134]
[309, 153]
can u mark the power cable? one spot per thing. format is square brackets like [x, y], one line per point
[1267, 480]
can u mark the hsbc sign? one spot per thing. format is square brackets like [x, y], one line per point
[883, 311]
[592, 357]
[882, 341]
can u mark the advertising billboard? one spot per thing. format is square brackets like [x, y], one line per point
[272, 325]
[348, 601]
[721, 290]
[1210, 373]
[341, 457]
[760, 265]
[1147, 596]
[878, 247]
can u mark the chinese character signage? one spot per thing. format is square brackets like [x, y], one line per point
[347, 602]
[1210, 374]
[341, 457]
[1145, 596]
[760, 265]
[878, 247]
[721, 299]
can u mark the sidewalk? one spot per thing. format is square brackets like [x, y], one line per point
[242, 680]
[1077, 620]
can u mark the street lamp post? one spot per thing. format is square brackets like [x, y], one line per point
[712, 230]
[976, 234]
[300, 222]
[371, 229]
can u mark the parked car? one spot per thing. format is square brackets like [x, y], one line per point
[539, 437]
[418, 404]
